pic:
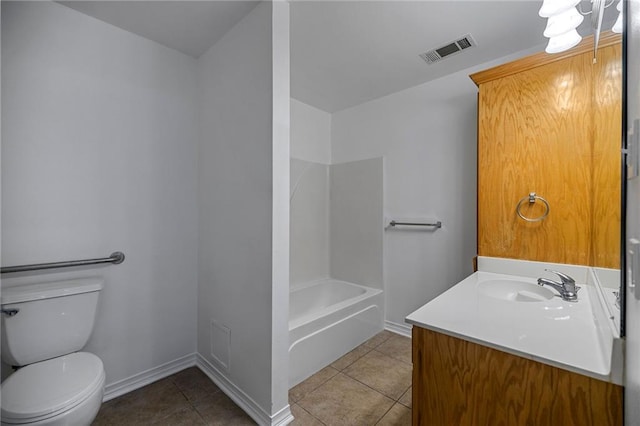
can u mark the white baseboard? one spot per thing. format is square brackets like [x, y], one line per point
[139, 380]
[283, 417]
[402, 329]
[244, 401]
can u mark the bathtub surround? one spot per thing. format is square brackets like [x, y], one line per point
[337, 222]
[113, 142]
[309, 238]
[336, 299]
[356, 222]
[309, 193]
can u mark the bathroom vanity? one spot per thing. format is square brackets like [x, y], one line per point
[499, 349]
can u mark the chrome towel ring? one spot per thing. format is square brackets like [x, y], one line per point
[532, 199]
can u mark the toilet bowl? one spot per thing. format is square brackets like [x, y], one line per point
[66, 390]
[44, 327]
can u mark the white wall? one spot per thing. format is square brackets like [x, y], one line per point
[236, 190]
[99, 148]
[427, 135]
[281, 78]
[310, 133]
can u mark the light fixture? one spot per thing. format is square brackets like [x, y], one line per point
[617, 27]
[564, 17]
[563, 42]
[553, 7]
[563, 22]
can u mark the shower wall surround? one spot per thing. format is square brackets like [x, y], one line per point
[337, 222]
[309, 238]
[356, 227]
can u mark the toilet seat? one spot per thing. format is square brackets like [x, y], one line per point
[49, 388]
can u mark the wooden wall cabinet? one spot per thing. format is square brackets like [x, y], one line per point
[456, 382]
[552, 125]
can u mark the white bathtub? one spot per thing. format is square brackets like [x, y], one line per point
[327, 319]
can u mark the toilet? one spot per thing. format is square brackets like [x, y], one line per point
[44, 327]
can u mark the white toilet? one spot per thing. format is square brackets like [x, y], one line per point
[56, 384]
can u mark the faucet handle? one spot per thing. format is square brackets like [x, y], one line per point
[566, 279]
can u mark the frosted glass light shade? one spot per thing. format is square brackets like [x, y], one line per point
[563, 22]
[563, 42]
[554, 7]
[617, 27]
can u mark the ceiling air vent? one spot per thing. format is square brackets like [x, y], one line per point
[438, 54]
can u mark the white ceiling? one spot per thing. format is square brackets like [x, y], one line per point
[344, 53]
[191, 27]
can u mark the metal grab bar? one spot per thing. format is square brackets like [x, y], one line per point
[438, 224]
[115, 258]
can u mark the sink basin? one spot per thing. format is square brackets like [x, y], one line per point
[515, 291]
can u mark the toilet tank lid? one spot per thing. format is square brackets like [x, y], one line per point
[50, 289]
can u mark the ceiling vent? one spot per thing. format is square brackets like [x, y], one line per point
[438, 54]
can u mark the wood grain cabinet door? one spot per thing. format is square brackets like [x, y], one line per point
[554, 130]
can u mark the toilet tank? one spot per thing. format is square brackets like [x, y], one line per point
[53, 319]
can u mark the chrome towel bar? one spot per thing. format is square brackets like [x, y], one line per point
[438, 224]
[531, 198]
[115, 258]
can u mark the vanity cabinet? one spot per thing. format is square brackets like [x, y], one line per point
[551, 124]
[457, 382]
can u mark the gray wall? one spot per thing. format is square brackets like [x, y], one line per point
[113, 142]
[99, 148]
[427, 136]
[238, 332]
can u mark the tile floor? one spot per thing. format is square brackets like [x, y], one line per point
[185, 398]
[370, 385]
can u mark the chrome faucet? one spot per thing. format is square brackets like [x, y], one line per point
[567, 287]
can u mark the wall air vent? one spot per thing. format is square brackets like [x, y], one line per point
[438, 54]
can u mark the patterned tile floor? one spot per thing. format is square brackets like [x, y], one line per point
[370, 385]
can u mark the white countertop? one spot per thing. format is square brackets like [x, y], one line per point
[568, 335]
